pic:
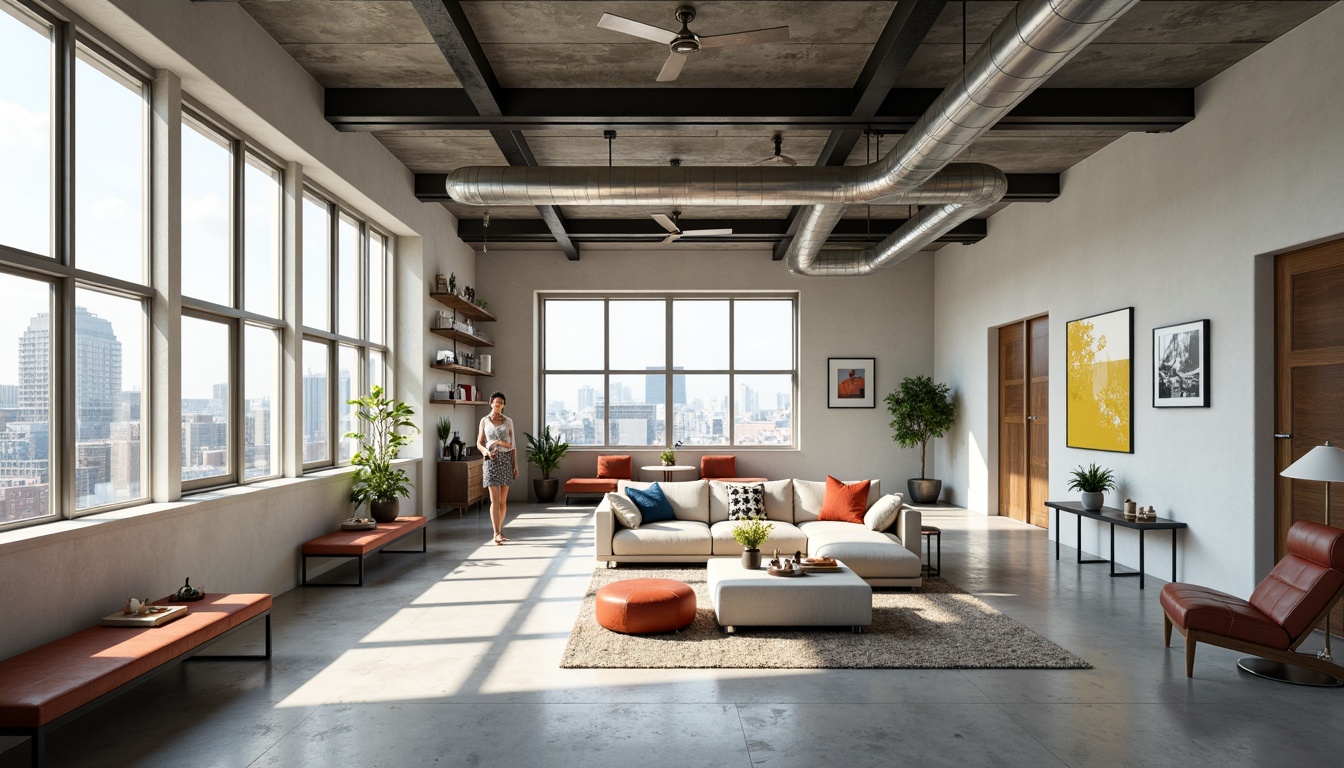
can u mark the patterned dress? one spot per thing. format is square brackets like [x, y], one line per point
[499, 470]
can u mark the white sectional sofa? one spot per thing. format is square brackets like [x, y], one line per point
[886, 558]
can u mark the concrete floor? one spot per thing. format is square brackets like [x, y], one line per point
[450, 659]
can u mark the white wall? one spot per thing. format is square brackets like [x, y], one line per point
[243, 539]
[1180, 226]
[886, 316]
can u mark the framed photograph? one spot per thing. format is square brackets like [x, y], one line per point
[851, 382]
[1181, 365]
[1101, 381]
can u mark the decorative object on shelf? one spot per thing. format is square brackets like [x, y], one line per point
[668, 458]
[1131, 510]
[133, 606]
[1093, 483]
[545, 452]
[1181, 365]
[440, 284]
[469, 294]
[921, 410]
[445, 357]
[377, 483]
[445, 431]
[455, 448]
[358, 524]
[1101, 381]
[452, 283]
[1149, 515]
[486, 363]
[851, 382]
[188, 594]
[751, 534]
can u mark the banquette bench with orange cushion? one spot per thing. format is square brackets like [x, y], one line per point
[50, 685]
[610, 470]
[357, 545]
[724, 469]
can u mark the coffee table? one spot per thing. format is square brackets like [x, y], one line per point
[754, 598]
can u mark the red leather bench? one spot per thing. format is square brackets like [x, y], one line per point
[50, 685]
[358, 545]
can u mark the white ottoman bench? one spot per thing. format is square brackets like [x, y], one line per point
[754, 598]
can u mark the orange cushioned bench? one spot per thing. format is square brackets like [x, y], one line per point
[610, 470]
[358, 545]
[48, 686]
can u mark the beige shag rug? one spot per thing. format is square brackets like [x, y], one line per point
[941, 627]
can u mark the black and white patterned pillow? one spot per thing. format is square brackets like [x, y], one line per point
[746, 502]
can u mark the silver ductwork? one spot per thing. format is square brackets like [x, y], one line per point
[1036, 38]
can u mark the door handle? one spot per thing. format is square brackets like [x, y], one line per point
[1031, 418]
[1283, 435]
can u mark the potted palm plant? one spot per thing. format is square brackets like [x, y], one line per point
[751, 534]
[1093, 483]
[445, 430]
[921, 410]
[377, 483]
[546, 453]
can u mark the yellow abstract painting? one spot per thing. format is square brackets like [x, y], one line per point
[1100, 381]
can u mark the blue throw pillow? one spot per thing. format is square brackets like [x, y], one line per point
[653, 506]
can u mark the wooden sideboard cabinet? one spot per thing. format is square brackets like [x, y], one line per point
[460, 484]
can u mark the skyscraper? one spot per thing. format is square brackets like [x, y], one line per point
[97, 374]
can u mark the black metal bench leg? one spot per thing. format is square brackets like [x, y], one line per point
[361, 571]
[39, 747]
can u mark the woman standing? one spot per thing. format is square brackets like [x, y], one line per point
[495, 442]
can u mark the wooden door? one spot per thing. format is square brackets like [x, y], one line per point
[1309, 377]
[1038, 421]
[1013, 421]
[1024, 420]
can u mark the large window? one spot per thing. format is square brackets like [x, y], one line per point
[345, 262]
[26, 398]
[230, 297]
[653, 371]
[27, 56]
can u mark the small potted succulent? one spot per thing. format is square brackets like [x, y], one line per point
[751, 534]
[1093, 483]
[669, 458]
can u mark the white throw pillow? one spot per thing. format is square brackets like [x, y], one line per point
[627, 514]
[882, 514]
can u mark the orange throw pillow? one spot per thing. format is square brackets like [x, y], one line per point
[845, 503]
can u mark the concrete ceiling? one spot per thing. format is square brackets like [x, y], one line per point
[383, 44]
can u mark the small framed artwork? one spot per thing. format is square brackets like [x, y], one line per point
[1181, 365]
[850, 382]
[1100, 382]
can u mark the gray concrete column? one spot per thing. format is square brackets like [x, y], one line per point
[165, 393]
[291, 419]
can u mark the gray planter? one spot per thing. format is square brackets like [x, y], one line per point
[751, 559]
[923, 491]
[546, 489]
[1092, 501]
[383, 511]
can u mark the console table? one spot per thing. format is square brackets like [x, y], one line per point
[1113, 517]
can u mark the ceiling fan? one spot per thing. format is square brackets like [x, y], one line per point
[778, 157]
[686, 42]
[675, 231]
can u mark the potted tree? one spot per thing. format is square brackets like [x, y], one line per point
[546, 453]
[1093, 483]
[921, 410]
[751, 534]
[377, 483]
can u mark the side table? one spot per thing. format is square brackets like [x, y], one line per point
[929, 533]
[1115, 517]
[668, 470]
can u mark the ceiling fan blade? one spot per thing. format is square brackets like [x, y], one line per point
[706, 232]
[636, 28]
[665, 222]
[672, 238]
[672, 67]
[771, 35]
[785, 159]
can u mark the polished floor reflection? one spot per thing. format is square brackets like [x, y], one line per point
[451, 659]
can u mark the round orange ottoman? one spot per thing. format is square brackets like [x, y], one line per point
[645, 606]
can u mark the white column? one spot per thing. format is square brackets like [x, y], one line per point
[291, 419]
[165, 428]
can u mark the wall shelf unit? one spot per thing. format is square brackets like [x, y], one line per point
[462, 369]
[462, 307]
[462, 336]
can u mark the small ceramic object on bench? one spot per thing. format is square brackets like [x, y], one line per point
[188, 593]
[132, 606]
[359, 524]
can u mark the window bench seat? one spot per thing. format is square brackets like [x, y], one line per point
[357, 545]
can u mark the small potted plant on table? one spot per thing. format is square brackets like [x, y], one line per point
[751, 534]
[1093, 482]
[669, 458]
[377, 484]
[546, 453]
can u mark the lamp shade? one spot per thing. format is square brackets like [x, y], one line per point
[1324, 463]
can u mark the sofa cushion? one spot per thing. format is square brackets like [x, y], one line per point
[689, 499]
[834, 530]
[778, 496]
[844, 501]
[653, 506]
[783, 536]
[613, 467]
[746, 502]
[808, 496]
[577, 485]
[714, 467]
[883, 513]
[674, 537]
[626, 511]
